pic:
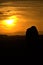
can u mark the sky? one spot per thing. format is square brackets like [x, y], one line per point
[25, 14]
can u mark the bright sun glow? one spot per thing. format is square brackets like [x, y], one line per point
[10, 21]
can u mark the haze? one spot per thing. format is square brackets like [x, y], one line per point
[23, 14]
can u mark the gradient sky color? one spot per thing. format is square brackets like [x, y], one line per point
[27, 12]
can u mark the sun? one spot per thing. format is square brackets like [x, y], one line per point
[11, 21]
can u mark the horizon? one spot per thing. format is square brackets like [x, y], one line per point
[21, 33]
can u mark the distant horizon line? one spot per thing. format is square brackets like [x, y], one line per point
[20, 33]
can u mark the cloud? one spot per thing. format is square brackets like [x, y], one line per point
[29, 13]
[1, 13]
[18, 0]
[8, 10]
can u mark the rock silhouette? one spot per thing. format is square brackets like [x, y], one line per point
[32, 36]
[22, 45]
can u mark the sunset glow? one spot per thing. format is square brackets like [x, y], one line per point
[18, 16]
[10, 21]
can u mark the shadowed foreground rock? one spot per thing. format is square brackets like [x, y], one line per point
[32, 36]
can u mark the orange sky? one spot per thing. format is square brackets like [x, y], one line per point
[27, 13]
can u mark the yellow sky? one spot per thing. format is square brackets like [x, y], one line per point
[22, 15]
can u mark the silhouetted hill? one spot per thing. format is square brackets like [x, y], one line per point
[31, 40]
[20, 41]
